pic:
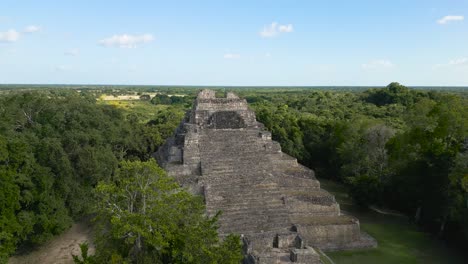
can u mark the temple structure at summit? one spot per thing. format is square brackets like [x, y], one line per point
[220, 151]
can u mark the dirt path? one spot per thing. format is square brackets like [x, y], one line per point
[59, 249]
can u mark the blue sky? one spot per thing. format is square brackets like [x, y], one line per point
[234, 42]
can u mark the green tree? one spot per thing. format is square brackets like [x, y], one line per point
[85, 258]
[424, 156]
[55, 146]
[148, 218]
[394, 93]
[458, 211]
[364, 158]
[163, 99]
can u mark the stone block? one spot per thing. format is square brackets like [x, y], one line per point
[305, 255]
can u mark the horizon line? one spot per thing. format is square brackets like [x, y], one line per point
[220, 85]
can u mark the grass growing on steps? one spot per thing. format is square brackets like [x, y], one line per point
[399, 241]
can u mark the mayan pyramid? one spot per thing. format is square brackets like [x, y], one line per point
[220, 151]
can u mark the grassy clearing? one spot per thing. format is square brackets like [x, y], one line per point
[399, 241]
[145, 110]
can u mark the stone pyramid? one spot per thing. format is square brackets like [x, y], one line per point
[277, 206]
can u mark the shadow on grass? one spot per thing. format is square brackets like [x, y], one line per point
[399, 241]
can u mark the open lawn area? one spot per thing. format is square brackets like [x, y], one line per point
[145, 110]
[399, 241]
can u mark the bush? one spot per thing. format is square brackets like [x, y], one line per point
[365, 189]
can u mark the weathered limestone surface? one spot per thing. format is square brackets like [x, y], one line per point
[221, 152]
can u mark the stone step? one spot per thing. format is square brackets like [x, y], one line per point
[319, 214]
[232, 141]
[251, 200]
[243, 207]
[239, 145]
[262, 190]
[252, 217]
[247, 159]
[243, 155]
[306, 220]
[245, 173]
[237, 176]
[236, 195]
[251, 149]
[240, 185]
[220, 134]
[251, 204]
[267, 216]
[211, 151]
[244, 227]
[254, 166]
[246, 207]
[282, 257]
[260, 187]
[221, 169]
[239, 194]
[216, 200]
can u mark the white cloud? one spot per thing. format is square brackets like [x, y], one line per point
[231, 56]
[126, 40]
[268, 55]
[275, 29]
[12, 35]
[448, 19]
[32, 29]
[378, 64]
[459, 61]
[453, 63]
[286, 28]
[9, 36]
[72, 52]
[269, 31]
